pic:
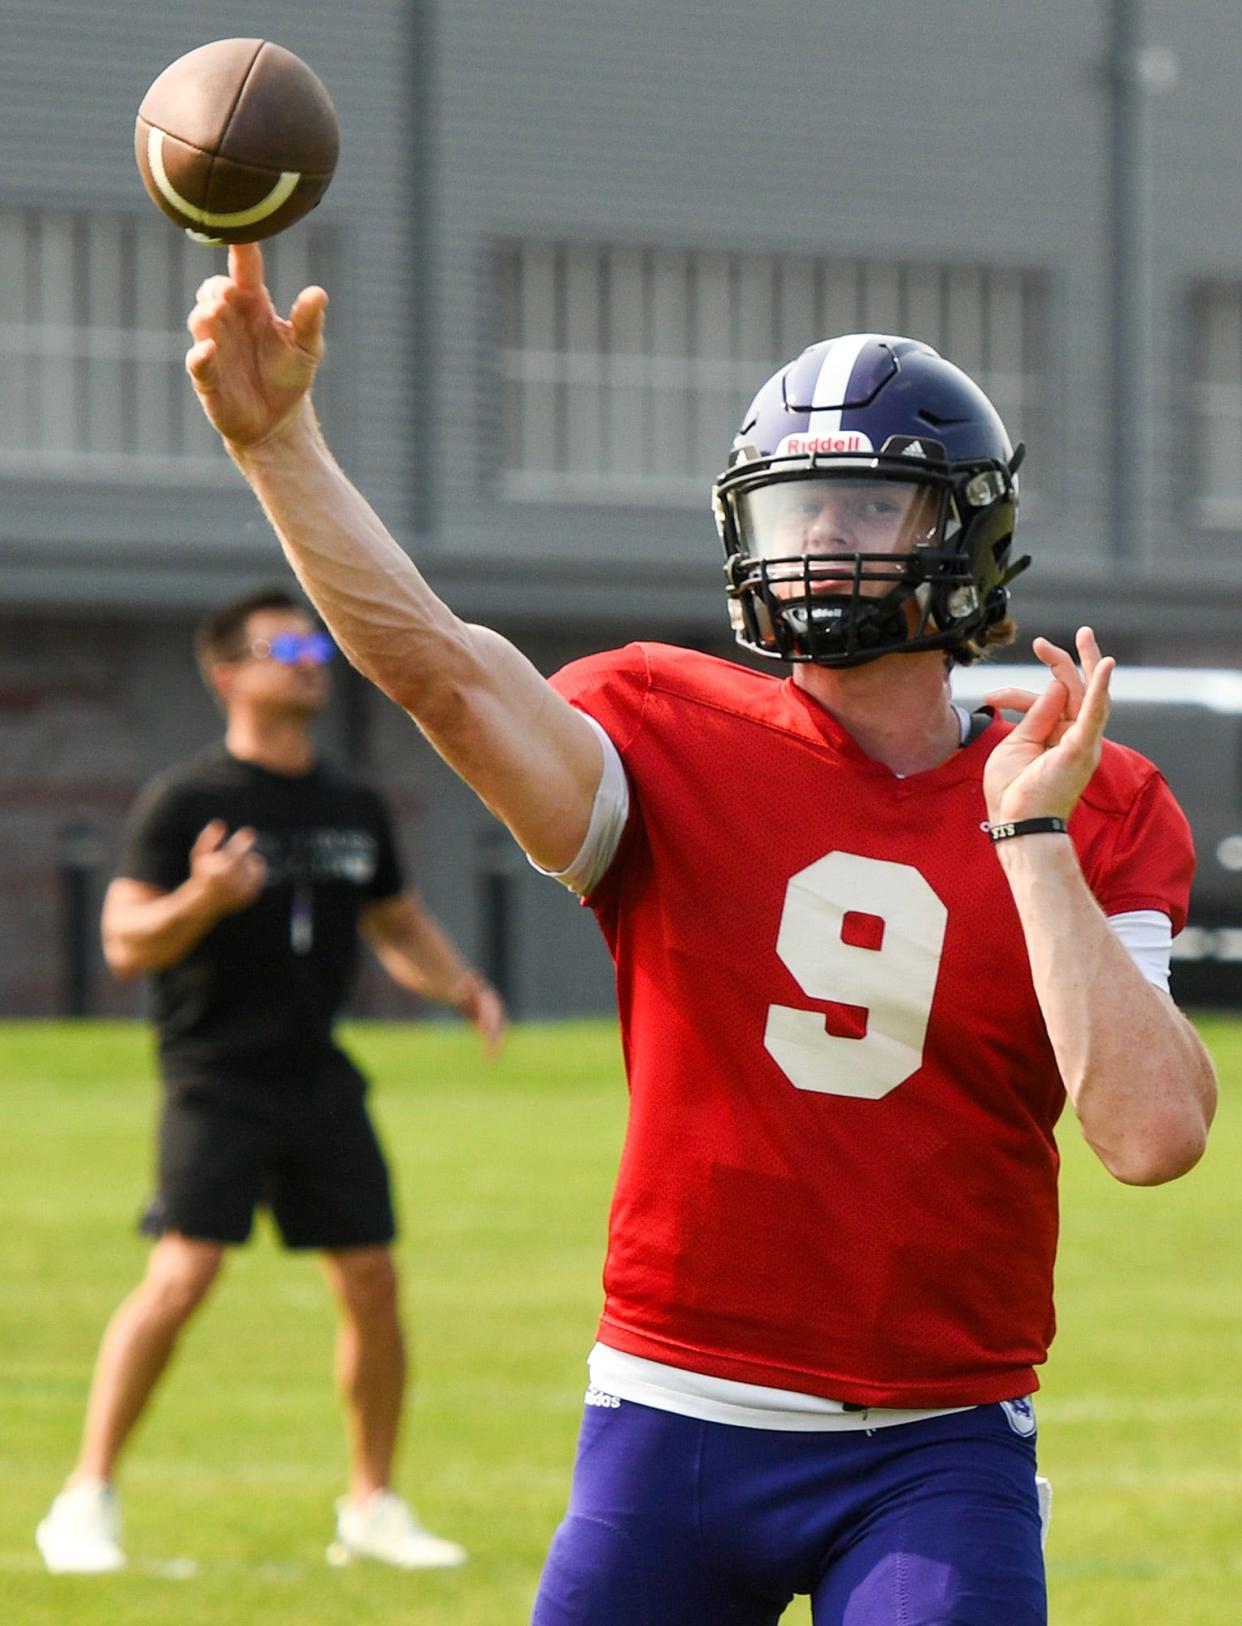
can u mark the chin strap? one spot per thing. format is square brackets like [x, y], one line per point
[998, 597]
[1011, 571]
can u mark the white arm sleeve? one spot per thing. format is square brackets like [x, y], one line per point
[609, 812]
[1147, 936]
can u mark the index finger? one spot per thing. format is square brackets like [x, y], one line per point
[210, 836]
[1095, 706]
[1088, 651]
[246, 265]
[1061, 667]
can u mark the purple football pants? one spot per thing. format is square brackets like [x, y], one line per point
[676, 1522]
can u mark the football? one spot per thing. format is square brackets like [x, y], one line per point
[236, 140]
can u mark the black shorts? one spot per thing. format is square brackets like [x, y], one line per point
[305, 1149]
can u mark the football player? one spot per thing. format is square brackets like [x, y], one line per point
[866, 945]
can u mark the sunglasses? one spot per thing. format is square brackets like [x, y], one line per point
[291, 648]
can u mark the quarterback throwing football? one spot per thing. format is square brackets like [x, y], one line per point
[866, 944]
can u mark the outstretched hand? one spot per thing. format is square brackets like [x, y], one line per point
[1044, 765]
[252, 368]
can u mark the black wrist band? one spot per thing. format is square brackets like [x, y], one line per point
[1029, 827]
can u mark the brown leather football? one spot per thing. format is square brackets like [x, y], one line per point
[236, 140]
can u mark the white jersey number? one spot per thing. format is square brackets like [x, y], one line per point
[894, 980]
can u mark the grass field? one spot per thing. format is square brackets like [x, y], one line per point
[504, 1176]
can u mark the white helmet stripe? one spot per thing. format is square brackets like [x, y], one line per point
[832, 385]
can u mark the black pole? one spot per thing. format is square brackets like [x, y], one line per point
[355, 694]
[496, 894]
[1137, 73]
[496, 911]
[80, 854]
[1131, 276]
[420, 249]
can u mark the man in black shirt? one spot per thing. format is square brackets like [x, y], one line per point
[248, 875]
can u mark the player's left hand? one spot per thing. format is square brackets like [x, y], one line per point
[484, 1009]
[1043, 767]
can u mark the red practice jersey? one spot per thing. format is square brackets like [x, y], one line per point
[839, 1174]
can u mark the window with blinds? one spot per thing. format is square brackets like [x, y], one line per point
[93, 342]
[624, 370]
[1216, 403]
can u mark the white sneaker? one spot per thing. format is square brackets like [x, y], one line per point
[383, 1528]
[81, 1534]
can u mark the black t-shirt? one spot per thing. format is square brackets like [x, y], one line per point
[258, 994]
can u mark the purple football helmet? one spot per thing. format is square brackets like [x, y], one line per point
[868, 507]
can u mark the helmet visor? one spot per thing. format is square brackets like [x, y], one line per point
[865, 525]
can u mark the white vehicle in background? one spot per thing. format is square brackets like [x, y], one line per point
[1188, 720]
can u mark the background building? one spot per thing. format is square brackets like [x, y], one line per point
[564, 244]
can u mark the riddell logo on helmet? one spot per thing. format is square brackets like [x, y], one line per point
[818, 445]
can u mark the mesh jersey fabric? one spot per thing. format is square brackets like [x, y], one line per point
[839, 1172]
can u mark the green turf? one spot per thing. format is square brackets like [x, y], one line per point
[504, 1177]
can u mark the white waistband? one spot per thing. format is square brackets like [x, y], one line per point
[744, 1405]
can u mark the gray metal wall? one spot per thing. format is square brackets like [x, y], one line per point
[71, 78]
[875, 131]
[949, 132]
[957, 132]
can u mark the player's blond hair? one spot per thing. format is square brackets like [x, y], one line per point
[988, 638]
